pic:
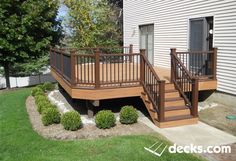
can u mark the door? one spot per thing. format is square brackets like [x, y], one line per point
[201, 38]
[147, 41]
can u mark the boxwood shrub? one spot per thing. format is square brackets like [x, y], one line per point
[48, 86]
[50, 116]
[128, 115]
[39, 98]
[43, 105]
[71, 120]
[105, 119]
[37, 91]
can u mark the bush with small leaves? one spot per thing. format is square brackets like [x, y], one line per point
[48, 86]
[39, 98]
[71, 120]
[43, 105]
[105, 119]
[128, 115]
[51, 116]
[37, 91]
[40, 86]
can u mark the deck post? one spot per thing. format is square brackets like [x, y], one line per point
[130, 52]
[194, 109]
[142, 67]
[161, 101]
[62, 61]
[90, 109]
[214, 60]
[72, 67]
[172, 70]
[97, 68]
[50, 55]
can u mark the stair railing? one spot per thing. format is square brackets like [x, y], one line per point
[185, 83]
[153, 86]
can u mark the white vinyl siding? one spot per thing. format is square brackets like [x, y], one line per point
[171, 29]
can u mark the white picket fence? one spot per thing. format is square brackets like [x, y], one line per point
[26, 81]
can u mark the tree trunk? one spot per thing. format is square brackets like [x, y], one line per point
[7, 74]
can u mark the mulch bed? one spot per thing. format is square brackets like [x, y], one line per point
[88, 131]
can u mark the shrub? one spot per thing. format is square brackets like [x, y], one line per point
[37, 91]
[48, 86]
[39, 98]
[43, 105]
[128, 115]
[50, 116]
[105, 119]
[40, 86]
[71, 120]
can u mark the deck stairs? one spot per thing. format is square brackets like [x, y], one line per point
[176, 112]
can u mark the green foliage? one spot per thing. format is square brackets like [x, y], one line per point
[37, 91]
[128, 115]
[50, 116]
[71, 120]
[40, 98]
[93, 23]
[48, 86]
[27, 28]
[105, 119]
[43, 105]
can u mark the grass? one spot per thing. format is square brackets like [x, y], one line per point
[20, 142]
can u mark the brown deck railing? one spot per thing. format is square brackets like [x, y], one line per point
[153, 86]
[97, 67]
[201, 64]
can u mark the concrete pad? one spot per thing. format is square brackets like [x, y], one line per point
[199, 134]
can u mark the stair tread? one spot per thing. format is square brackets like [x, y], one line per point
[171, 90]
[173, 99]
[181, 117]
[171, 108]
[143, 93]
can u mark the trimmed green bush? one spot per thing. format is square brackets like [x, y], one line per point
[48, 86]
[37, 91]
[43, 105]
[105, 119]
[40, 86]
[71, 120]
[51, 116]
[128, 115]
[39, 98]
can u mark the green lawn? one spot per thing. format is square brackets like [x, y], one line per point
[19, 142]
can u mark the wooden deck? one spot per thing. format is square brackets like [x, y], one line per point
[170, 95]
[130, 89]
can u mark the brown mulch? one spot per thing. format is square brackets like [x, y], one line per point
[88, 131]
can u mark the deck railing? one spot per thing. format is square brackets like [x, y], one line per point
[201, 64]
[97, 67]
[153, 86]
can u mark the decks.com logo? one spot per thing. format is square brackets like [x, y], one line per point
[199, 149]
[158, 149]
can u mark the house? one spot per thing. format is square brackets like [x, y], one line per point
[185, 25]
[173, 50]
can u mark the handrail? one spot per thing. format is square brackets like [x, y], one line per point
[185, 83]
[153, 86]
